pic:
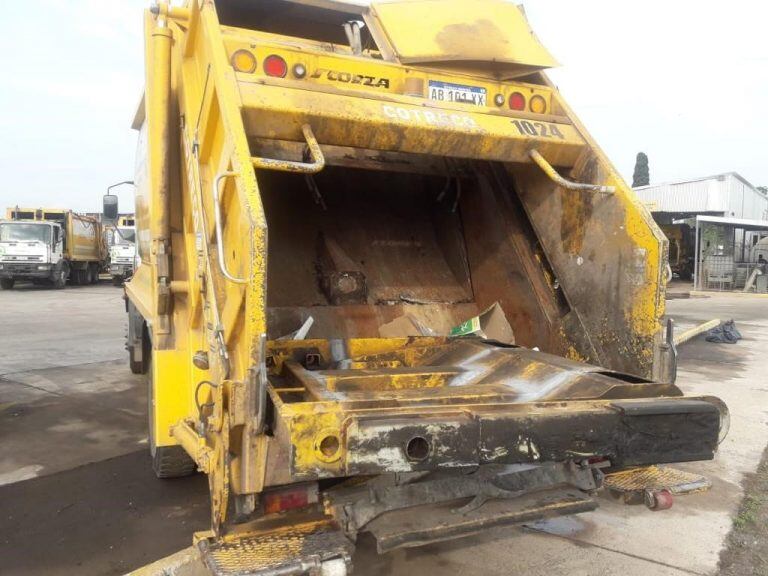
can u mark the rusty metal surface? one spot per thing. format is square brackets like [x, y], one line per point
[470, 368]
[433, 523]
[356, 506]
[473, 403]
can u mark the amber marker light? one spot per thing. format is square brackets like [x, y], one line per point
[538, 104]
[243, 61]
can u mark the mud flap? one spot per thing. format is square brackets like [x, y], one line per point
[422, 525]
[317, 548]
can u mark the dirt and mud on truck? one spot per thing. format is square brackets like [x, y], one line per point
[50, 247]
[388, 283]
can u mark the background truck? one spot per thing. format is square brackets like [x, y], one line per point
[388, 283]
[122, 249]
[51, 248]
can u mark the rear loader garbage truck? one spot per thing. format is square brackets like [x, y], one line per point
[57, 247]
[388, 283]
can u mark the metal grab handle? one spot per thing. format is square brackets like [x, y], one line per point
[313, 167]
[567, 184]
[219, 235]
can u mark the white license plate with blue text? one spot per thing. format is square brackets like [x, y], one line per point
[447, 92]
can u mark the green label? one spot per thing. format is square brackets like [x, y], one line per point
[469, 327]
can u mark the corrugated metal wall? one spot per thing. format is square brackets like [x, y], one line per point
[726, 195]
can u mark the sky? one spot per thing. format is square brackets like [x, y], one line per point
[685, 81]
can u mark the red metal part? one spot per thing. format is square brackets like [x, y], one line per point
[659, 500]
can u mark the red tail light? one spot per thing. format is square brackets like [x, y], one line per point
[516, 101]
[274, 65]
[290, 498]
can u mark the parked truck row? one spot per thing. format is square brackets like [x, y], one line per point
[50, 247]
[53, 246]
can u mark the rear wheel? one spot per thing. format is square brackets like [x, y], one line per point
[117, 280]
[167, 461]
[94, 273]
[7, 283]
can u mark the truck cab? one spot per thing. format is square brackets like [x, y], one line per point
[31, 250]
[122, 254]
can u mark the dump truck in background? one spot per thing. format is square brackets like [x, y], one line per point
[121, 240]
[388, 283]
[50, 247]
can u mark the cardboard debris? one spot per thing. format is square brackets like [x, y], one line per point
[492, 324]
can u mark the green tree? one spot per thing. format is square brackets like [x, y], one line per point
[642, 176]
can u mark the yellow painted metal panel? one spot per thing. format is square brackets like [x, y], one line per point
[363, 74]
[405, 125]
[460, 31]
[173, 400]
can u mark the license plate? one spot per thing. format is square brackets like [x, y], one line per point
[447, 92]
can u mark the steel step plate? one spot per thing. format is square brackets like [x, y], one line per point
[296, 549]
[655, 478]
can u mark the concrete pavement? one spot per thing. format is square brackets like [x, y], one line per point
[67, 399]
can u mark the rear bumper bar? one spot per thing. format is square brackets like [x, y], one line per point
[628, 432]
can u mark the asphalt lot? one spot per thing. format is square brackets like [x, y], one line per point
[75, 481]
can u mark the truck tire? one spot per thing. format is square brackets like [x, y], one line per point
[167, 461]
[94, 273]
[60, 278]
[117, 280]
[7, 283]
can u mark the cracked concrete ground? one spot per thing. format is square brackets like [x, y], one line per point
[79, 495]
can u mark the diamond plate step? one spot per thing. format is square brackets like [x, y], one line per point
[654, 478]
[318, 547]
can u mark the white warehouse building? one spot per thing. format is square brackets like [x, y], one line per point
[717, 228]
[724, 195]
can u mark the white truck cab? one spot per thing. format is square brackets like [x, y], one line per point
[31, 250]
[122, 254]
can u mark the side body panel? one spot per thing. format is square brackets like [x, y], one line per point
[84, 239]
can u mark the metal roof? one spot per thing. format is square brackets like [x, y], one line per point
[702, 179]
[743, 223]
[727, 194]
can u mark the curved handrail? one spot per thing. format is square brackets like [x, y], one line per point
[317, 164]
[567, 184]
[219, 236]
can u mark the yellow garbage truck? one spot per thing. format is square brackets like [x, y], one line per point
[50, 246]
[388, 283]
